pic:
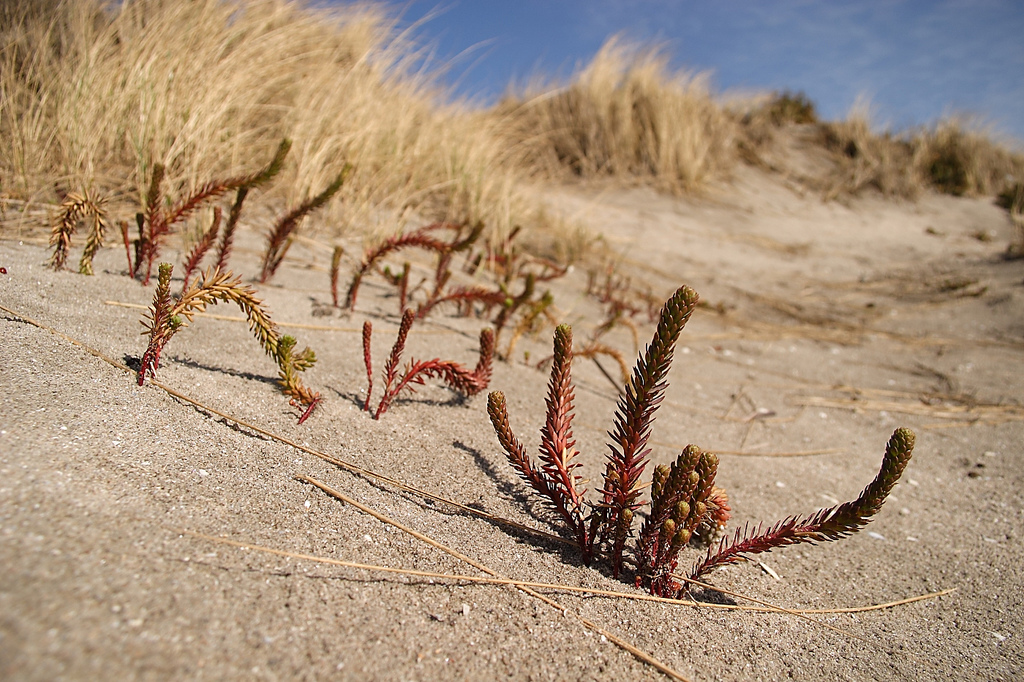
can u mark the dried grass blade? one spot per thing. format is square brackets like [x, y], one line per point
[770, 607]
[614, 594]
[621, 643]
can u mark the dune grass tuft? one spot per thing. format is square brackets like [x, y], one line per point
[99, 95]
[953, 156]
[626, 115]
[96, 94]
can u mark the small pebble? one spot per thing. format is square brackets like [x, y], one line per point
[768, 569]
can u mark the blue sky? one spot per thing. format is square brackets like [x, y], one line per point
[916, 61]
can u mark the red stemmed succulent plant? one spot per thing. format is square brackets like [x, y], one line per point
[456, 376]
[685, 502]
[167, 316]
[156, 221]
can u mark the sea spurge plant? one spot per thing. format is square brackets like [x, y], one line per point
[611, 519]
[507, 261]
[156, 222]
[480, 300]
[462, 297]
[425, 238]
[167, 316]
[161, 325]
[289, 365]
[535, 314]
[280, 237]
[622, 300]
[633, 417]
[75, 208]
[686, 506]
[455, 376]
[824, 525]
[555, 479]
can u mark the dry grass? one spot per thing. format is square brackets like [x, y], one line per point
[94, 97]
[865, 159]
[760, 120]
[955, 155]
[625, 115]
[951, 157]
[962, 159]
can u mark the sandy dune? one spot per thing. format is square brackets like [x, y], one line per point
[828, 325]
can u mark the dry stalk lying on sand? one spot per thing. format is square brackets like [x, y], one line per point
[685, 503]
[166, 317]
[457, 377]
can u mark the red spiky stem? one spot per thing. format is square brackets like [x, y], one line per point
[161, 324]
[558, 449]
[195, 256]
[127, 244]
[151, 223]
[514, 450]
[160, 223]
[484, 364]
[555, 479]
[421, 238]
[368, 362]
[279, 238]
[824, 525]
[227, 238]
[391, 366]
[309, 409]
[464, 295]
[262, 177]
[633, 418]
[455, 376]
[538, 480]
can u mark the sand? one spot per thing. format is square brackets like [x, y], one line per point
[827, 326]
